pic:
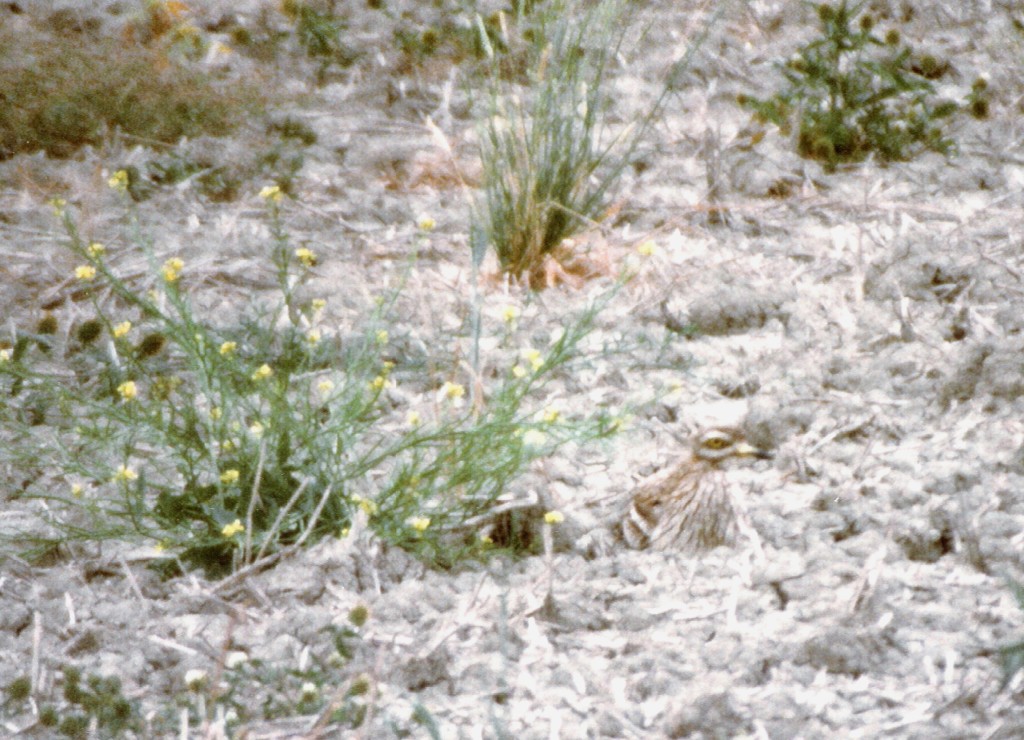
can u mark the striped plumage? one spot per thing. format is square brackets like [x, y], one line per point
[691, 508]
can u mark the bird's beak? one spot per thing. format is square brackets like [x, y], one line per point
[745, 450]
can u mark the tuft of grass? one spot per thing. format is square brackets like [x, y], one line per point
[550, 157]
[60, 94]
[224, 441]
[852, 93]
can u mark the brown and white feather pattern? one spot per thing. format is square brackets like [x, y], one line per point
[691, 508]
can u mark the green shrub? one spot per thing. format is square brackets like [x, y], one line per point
[852, 93]
[224, 441]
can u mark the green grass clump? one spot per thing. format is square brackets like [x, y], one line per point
[852, 93]
[550, 159]
[222, 442]
[60, 94]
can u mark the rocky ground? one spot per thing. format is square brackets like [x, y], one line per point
[867, 326]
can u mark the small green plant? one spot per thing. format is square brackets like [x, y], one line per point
[241, 692]
[224, 441]
[83, 701]
[853, 93]
[550, 158]
[978, 99]
[457, 37]
[279, 160]
[253, 690]
[319, 34]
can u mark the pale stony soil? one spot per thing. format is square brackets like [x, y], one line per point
[868, 327]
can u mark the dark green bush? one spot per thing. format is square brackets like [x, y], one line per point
[852, 93]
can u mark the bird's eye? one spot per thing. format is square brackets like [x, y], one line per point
[716, 443]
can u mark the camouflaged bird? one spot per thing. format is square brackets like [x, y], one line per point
[691, 508]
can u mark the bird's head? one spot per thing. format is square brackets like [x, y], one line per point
[718, 444]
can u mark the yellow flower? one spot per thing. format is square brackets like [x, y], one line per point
[485, 539]
[534, 357]
[228, 348]
[58, 205]
[453, 391]
[313, 336]
[306, 256]
[256, 429]
[230, 530]
[554, 517]
[271, 193]
[382, 337]
[378, 383]
[95, 250]
[124, 474]
[119, 181]
[318, 304]
[325, 386]
[534, 438]
[420, 523]
[6, 355]
[425, 223]
[370, 507]
[647, 248]
[229, 476]
[128, 390]
[122, 329]
[550, 415]
[263, 372]
[77, 490]
[216, 412]
[172, 269]
[85, 272]
[413, 418]
[519, 371]
[510, 314]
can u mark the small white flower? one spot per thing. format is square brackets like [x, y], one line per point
[195, 679]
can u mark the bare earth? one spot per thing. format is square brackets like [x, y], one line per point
[869, 326]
